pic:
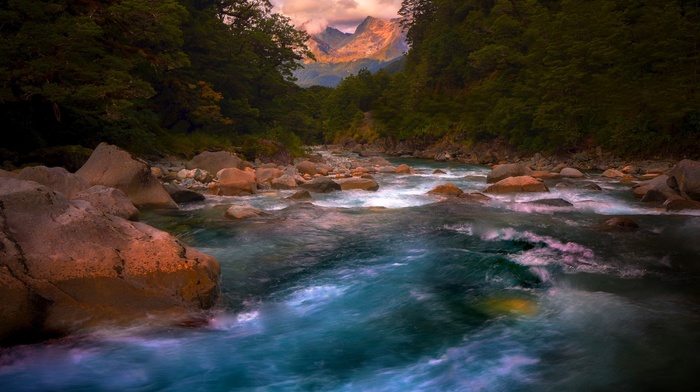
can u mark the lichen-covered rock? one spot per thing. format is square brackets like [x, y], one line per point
[113, 167]
[518, 184]
[55, 178]
[213, 162]
[64, 265]
[110, 201]
[502, 172]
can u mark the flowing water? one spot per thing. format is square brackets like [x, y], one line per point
[397, 291]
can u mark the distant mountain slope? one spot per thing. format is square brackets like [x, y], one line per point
[374, 45]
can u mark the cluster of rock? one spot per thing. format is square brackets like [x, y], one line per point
[223, 173]
[72, 255]
[677, 189]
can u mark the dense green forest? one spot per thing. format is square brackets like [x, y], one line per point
[151, 76]
[545, 75]
[177, 76]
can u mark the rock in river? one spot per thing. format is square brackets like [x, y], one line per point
[64, 266]
[518, 184]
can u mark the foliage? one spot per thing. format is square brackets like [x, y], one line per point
[548, 75]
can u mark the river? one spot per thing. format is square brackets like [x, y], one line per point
[396, 291]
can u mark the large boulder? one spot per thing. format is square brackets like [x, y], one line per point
[351, 183]
[55, 178]
[321, 185]
[234, 182]
[64, 266]
[502, 172]
[518, 184]
[215, 161]
[685, 177]
[110, 201]
[655, 190]
[113, 167]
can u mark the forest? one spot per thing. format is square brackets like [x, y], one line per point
[178, 76]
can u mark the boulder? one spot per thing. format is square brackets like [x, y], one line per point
[284, 182]
[57, 179]
[323, 169]
[658, 185]
[267, 174]
[502, 172]
[685, 178]
[438, 171]
[65, 266]
[351, 183]
[113, 167]
[234, 182]
[301, 195]
[241, 212]
[592, 187]
[321, 185]
[612, 173]
[181, 194]
[681, 204]
[544, 174]
[404, 169]
[110, 201]
[448, 189]
[306, 167]
[570, 172]
[213, 162]
[518, 184]
[379, 161]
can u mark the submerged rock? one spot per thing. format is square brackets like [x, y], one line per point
[518, 184]
[245, 211]
[64, 266]
[620, 223]
[351, 183]
[551, 203]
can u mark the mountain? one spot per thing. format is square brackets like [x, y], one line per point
[374, 44]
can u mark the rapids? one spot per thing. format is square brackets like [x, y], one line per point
[395, 290]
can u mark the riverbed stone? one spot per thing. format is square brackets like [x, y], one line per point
[551, 202]
[182, 194]
[570, 172]
[301, 195]
[621, 223]
[307, 167]
[113, 167]
[284, 182]
[685, 178]
[242, 212]
[234, 182]
[55, 178]
[448, 189]
[267, 174]
[110, 201]
[404, 169]
[612, 173]
[352, 183]
[502, 172]
[518, 184]
[75, 267]
[214, 161]
[321, 185]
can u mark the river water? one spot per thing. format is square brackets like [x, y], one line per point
[396, 291]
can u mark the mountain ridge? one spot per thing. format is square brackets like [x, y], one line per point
[375, 42]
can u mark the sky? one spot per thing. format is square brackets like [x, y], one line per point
[344, 15]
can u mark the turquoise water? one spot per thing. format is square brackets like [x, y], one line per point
[397, 291]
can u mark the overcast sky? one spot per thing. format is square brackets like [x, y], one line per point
[341, 14]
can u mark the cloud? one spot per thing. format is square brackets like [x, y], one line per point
[344, 15]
